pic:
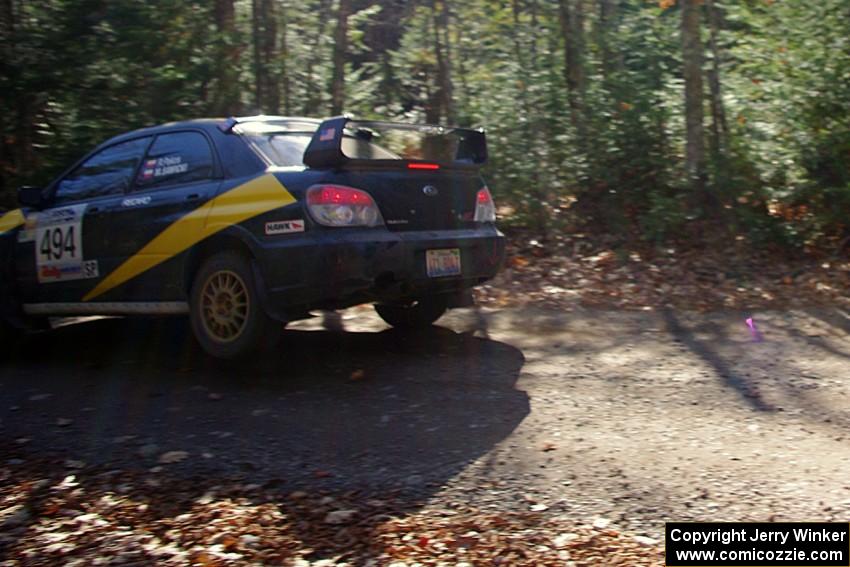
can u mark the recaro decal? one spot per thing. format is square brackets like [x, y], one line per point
[258, 196]
[12, 219]
[136, 201]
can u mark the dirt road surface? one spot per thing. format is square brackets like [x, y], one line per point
[634, 417]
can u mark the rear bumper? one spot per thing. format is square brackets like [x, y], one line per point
[337, 269]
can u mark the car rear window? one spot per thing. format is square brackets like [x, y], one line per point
[281, 148]
[356, 147]
[280, 142]
[287, 149]
[284, 144]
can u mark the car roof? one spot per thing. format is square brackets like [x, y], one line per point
[210, 125]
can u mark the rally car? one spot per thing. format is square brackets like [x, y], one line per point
[247, 223]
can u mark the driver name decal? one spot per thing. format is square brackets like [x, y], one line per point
[162, 166]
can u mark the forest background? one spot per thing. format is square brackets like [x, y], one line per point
[645, 120]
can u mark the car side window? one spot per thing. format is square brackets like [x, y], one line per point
[107, 172]
[181, 157]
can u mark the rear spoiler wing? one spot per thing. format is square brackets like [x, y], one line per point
[325, 149]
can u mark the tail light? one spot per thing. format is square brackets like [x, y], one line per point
[337, 205]
[485, 208]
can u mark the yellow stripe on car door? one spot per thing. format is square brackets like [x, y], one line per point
[245, 201]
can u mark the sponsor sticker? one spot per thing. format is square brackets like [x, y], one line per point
[56, 272]
[284, 227]
[61, 215]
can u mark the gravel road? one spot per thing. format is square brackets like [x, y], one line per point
[634, 417]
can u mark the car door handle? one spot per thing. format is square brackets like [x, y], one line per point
[95, 210]
[193, 197]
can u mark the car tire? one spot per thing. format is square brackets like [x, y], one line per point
[418, 314]
[224, 308]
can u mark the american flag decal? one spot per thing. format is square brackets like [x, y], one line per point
[327, 134]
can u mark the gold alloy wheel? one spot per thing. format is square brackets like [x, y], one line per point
[224, 306]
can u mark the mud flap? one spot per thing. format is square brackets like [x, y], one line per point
[262, 291]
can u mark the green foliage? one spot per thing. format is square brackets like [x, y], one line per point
[790, 79]
[82, 71]
[74, 72]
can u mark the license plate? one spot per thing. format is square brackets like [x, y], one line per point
[442, 263]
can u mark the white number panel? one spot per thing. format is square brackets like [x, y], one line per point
[59, 245]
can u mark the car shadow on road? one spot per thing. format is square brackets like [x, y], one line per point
[791, 386]
[375, 412]
[734, 380]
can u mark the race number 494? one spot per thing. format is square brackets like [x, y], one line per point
[58, 243]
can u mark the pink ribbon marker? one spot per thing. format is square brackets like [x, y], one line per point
[754, 332]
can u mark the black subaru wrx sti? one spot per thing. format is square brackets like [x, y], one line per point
[246, 223]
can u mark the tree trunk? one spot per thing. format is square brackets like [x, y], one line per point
[535, 33]
[539, 211]
[719, 128]
[449, 90]
[442, 52]
[7, 48]
[264, 34]
[571, 18]
[270, 72]
[607, 12]
[312, 98]
[432, 95]
[461, 68]
[7, 21]
[256, 38]
[226, 97]
[340, 49]
[692, 54]
[524, 107]
[284, 61]
[18, 147]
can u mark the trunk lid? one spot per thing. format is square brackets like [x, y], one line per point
[419, 200]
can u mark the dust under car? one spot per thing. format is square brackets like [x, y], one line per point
[244, 224]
